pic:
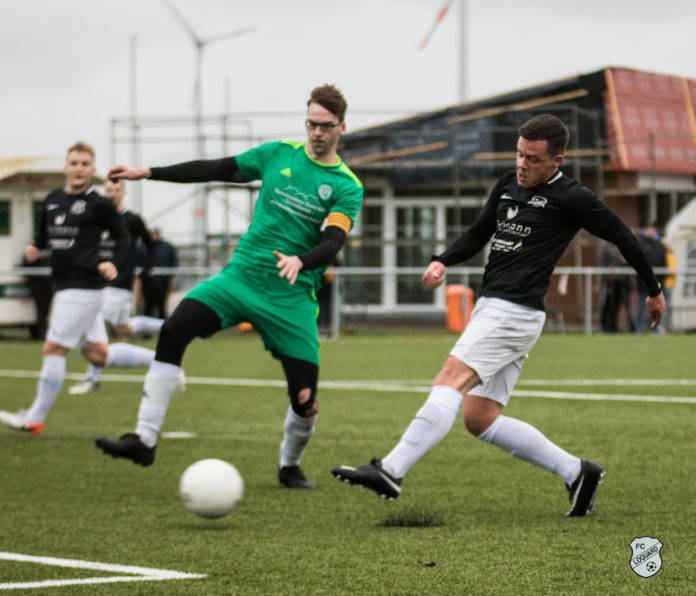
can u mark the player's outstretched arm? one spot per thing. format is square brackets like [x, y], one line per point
[128, 173]
[434, 275]
[656, 308]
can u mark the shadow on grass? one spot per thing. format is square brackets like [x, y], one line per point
[413, 518]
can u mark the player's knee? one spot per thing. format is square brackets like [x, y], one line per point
[304, 402]
[96, 354]
[479, 413]
[51, 349]
[171, 329]
[455, 373]
[123, 331]
[473, 425]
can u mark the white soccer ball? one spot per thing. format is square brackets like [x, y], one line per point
[211, 487]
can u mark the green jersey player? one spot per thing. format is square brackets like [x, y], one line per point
[308, 201]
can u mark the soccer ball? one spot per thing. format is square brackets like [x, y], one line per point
[211, 487]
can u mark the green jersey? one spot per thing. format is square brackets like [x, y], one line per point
[297, 195]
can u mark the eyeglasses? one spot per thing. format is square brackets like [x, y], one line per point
[323, 126]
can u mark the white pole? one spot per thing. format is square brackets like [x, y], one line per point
[463, 58]
[200, 207]
[135, 133]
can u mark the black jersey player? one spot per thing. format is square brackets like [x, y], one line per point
[73, 220]
[531, 216]
[118, 295]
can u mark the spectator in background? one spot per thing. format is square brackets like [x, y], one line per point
[668, 283]
[652, 246]
[325, 298]
[616, 290]
[156, 288]
[41, 289]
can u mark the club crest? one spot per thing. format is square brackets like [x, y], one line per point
[325, 192]
[78, 207]
[645, 556]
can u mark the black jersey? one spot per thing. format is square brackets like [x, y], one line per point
[530, 228]
[137, 231]
[71, 226]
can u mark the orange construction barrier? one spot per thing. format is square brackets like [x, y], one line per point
[460, 305]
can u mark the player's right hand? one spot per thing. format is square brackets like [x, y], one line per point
[656, 308]
[107, 270]
[434, 275]
[128, 173]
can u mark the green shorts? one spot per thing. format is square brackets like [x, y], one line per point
[284, 315]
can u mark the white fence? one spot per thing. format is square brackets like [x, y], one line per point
[585, 281]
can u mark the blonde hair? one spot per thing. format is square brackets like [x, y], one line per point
[81, 147]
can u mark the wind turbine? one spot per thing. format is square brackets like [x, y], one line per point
[442, 13]
[200, 220]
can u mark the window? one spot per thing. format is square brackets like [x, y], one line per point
[37, 206]
[364, 249]
[415, 245]
[5, 217]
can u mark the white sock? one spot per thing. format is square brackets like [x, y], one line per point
[129, 356]
[160, 384]
[298, 431]
[93, 372]
[526, 442]
[142, 324]
[51, 380]
[431, 424]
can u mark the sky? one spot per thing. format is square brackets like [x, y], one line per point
[66, 66]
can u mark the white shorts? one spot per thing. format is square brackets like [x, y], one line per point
[495, 344]
[76, 316]
[118, 305]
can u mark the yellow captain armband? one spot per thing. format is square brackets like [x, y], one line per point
[339, 220]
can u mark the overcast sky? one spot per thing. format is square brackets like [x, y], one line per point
[65, 65]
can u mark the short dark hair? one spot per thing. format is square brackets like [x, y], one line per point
[331, 99]
[547, 127]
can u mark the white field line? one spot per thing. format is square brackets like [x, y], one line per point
[137, 573]
[423, 386]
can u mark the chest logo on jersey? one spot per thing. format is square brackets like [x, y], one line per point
[59, 220]
[506, 196]
[325, 192]
[51, 207]
[305, 206]
[78, 207]
[512, 211]
[537, 201]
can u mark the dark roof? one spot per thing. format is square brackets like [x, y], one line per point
[478, 137]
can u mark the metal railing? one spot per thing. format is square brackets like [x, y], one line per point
[589, 278]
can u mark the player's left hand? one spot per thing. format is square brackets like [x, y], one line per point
[656, 308]
[107, 270]
[32, 253]
[290, 267]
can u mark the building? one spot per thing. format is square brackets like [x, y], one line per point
[24, 183]
[633, 141]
